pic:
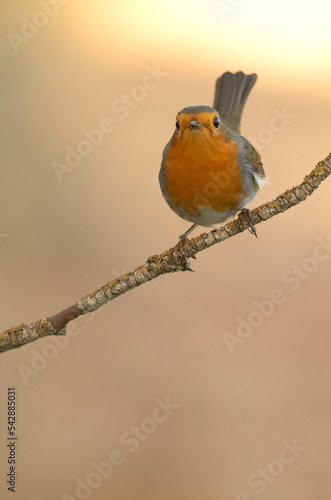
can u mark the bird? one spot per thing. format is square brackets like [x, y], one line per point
[209, 171]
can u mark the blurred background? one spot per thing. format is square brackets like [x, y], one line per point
[148, 398]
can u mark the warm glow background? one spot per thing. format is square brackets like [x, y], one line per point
[61, 240]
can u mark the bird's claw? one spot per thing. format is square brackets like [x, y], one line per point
[183, 240]
[245, 212]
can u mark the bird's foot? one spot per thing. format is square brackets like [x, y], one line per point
[181, 249]
[246, 213]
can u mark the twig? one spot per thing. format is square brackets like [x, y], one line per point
[170, 261]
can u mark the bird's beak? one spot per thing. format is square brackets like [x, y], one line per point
[195, 124]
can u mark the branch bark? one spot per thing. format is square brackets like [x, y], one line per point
[170, 261]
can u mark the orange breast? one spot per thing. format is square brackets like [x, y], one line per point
[201, 170]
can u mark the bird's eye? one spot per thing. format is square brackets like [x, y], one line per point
[177, 124]
[216, 122]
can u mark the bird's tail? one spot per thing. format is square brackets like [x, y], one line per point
[231, 92]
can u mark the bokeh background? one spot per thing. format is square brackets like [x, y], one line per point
[65, 230]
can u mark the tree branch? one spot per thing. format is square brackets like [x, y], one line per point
[170, 261]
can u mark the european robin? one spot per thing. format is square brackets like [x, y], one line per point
[209, 171]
